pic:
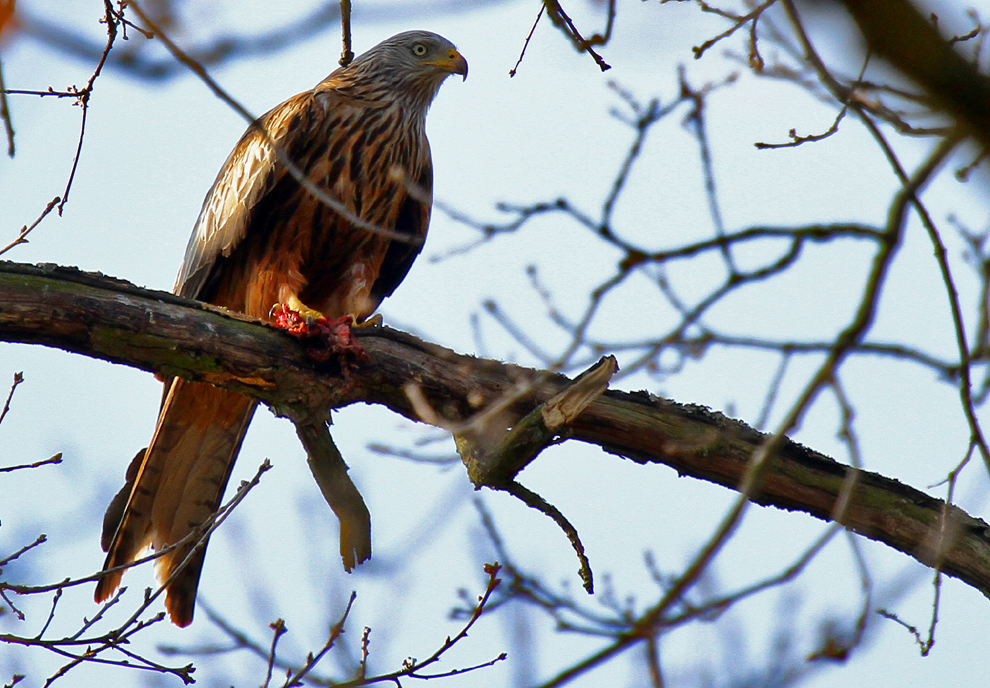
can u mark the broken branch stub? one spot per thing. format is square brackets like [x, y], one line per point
[494, 455]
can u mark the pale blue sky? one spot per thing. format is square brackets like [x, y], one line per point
[152, 151]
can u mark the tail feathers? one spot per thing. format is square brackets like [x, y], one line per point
[178, 486]
[180, 597]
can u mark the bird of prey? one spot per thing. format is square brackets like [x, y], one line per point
[264, 239]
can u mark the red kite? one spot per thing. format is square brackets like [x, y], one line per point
[263, 238]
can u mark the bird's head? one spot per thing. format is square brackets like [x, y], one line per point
[412, 64]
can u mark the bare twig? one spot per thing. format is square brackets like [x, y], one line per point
[535, 501]
[809, 138]
[924, 645]
[522, 53]
[312, 660]
[738, 22]
[41, 539]
[25, 230]
[57, 459]
[18, 379]
[79, 649]
[697, 119]
[111, 19]
[566, 25]
[413, 668]
[278, 630]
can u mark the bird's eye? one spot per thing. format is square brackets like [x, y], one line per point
[419, 50]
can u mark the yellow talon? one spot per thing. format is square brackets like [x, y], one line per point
[374, 321]
[302, 309]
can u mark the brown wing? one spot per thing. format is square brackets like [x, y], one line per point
[249, 172]
[295, 244]
[179, 481]
[259, 220]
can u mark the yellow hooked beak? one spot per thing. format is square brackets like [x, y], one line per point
[455, 63]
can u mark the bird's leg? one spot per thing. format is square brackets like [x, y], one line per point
[302, 309]
[295, 317]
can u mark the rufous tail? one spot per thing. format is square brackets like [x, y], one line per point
[177, 486]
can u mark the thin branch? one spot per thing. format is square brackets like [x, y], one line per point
[965, 382]
[809, 138]
[240, 641]
[18, 379]
[25, 230]
[78, 649]
[413, 668]
[913, 630]
[278, 630]
[738, 22]
[111, 19]
[697, 119]
[522, 53]
[566, 25]
[535, 501]
[312, 660]
[57, 459]
[41, 539]
[199, 535]
[773, 390]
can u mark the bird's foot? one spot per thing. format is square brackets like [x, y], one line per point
[294, 321]
[323, 338]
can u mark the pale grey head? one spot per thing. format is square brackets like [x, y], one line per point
[410, 65]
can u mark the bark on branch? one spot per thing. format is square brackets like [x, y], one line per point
[155, 331]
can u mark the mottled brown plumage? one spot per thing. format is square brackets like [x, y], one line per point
[263, 239]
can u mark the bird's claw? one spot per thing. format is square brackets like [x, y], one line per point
[292, 321]
[375, 321]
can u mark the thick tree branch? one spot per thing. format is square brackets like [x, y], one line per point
[330, 473]
[155, 331]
